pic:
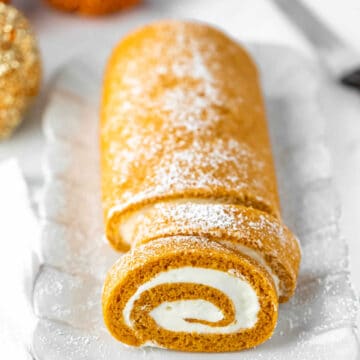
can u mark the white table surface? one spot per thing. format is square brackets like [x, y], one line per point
[62, 36]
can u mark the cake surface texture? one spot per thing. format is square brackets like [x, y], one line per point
[190, 195]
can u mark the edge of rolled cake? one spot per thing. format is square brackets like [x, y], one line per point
[245, 230]
[221, 300]
[116, 215]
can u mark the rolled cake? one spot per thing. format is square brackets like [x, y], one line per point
[189, 193]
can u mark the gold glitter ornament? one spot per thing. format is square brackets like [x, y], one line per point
[20, 68]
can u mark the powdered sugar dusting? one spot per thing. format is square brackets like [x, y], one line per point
[318, 323]
[162, 129]
[220, 222]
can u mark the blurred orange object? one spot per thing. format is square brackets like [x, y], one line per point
[92, 7]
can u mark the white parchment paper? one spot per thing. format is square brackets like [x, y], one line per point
[318, 323]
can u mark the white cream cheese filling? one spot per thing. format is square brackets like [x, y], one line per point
[171, 315]
[257, 257]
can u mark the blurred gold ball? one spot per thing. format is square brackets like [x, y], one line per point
[20, 68]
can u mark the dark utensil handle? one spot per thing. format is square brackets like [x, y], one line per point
[352, 79]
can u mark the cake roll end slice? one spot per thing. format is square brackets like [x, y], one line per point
[190, 294]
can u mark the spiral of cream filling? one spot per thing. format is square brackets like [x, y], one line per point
[172, 315]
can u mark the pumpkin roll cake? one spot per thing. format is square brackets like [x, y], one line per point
[189, 194]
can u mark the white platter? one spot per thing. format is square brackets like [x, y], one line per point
[318, 323]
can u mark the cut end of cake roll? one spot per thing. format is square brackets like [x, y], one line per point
[189, 294]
